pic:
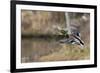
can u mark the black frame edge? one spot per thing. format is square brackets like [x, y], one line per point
[13, 36]
[95, 36]
[56, 68]
[55, 4]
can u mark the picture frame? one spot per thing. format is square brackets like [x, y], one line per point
[17, 62]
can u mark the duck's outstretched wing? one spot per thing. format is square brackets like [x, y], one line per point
[73, 40]
[67, 41]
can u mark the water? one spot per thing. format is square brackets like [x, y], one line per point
[34, 48]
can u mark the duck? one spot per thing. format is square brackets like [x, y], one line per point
[73, 38]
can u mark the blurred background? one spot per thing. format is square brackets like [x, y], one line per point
[39, 39]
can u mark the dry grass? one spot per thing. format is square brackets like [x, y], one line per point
[69, 52]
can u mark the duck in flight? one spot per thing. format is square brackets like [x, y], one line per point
[73, 38]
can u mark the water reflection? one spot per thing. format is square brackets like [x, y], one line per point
[32, 49]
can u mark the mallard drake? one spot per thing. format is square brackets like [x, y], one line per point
[73, 38]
